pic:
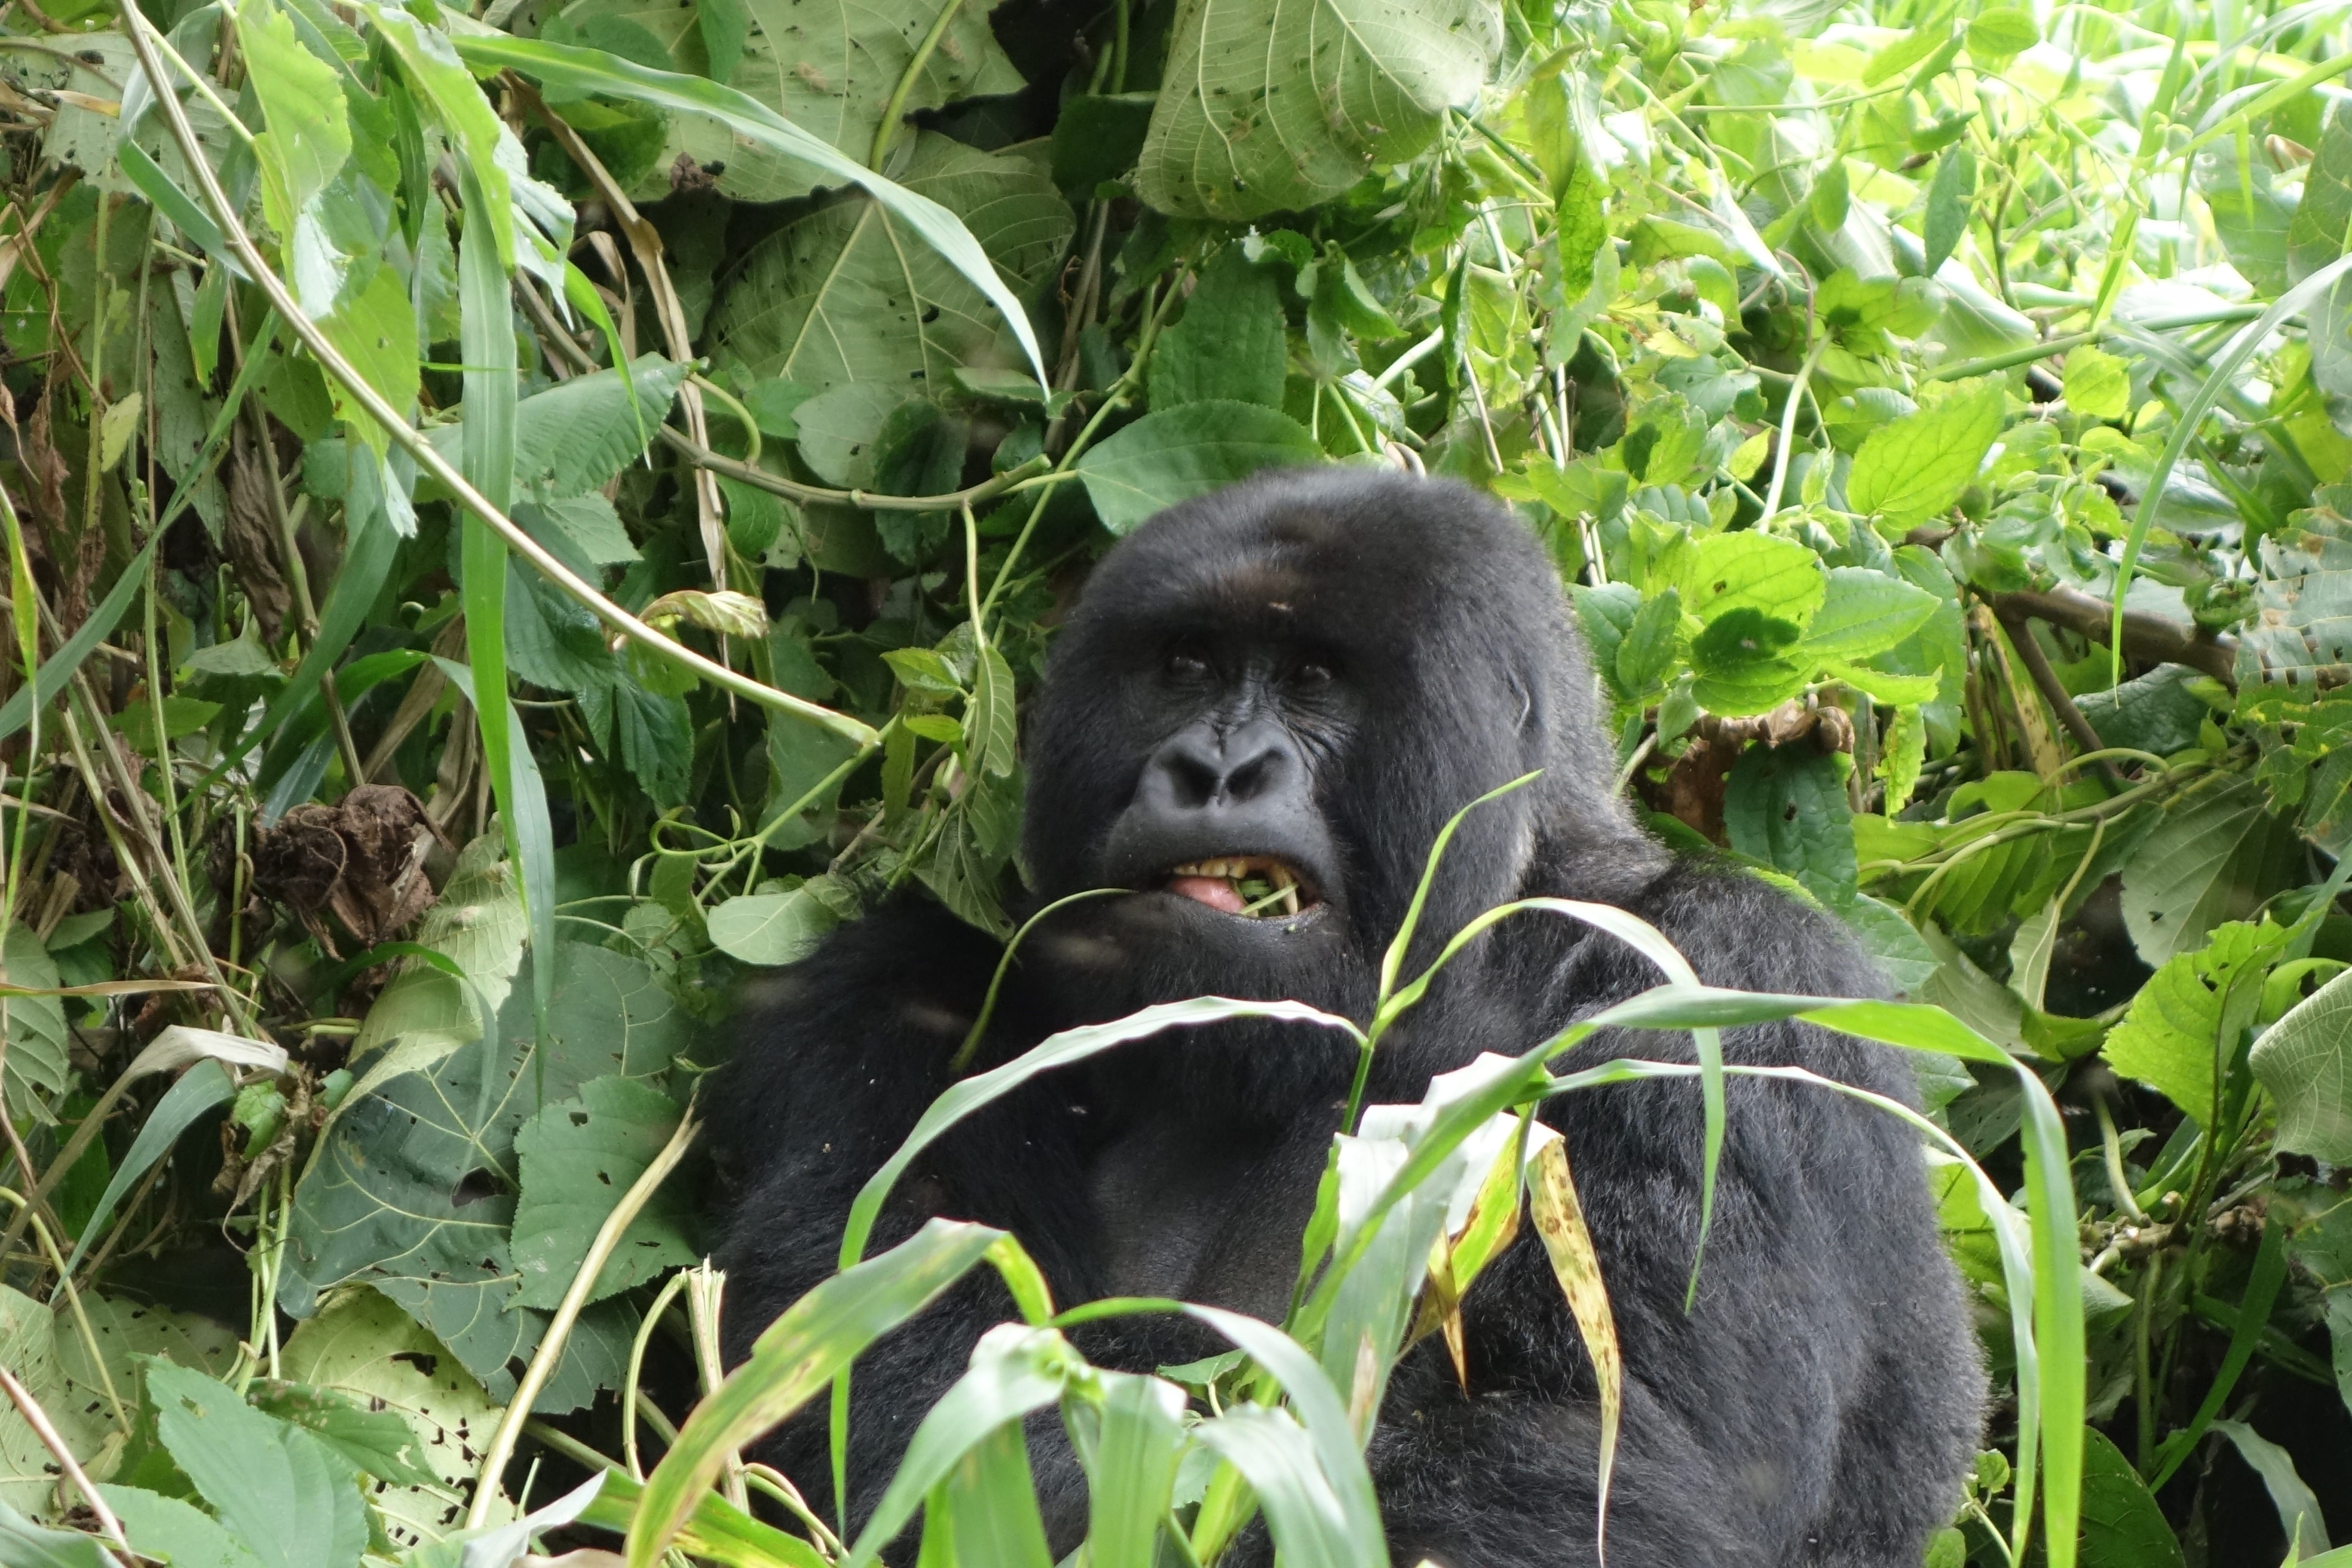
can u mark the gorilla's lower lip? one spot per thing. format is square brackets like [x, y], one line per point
[1252, 887]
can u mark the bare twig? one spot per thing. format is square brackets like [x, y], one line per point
[2053, 690]
[2151, 639]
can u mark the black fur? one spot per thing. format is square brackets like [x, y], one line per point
[1818, 1403]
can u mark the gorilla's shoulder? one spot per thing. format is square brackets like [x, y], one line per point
[874, 1010]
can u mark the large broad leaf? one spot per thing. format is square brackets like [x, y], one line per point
[1274, 104]
[292, 1501]
[927, 223]
[36, 1024]
[2188, 1018]
[1187, 451]
[28, 1346]
[425, 1013]
[831, 66]
[2305, 1062]
[2214, 857]
[413, 1192]
[1229, 344]
[846, 293]
[578, 1157]
[572, 438]
[2122, 1526]
[364, 1347]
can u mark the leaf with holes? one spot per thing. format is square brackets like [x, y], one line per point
[578, 1156]
[1273, 106]
[844, 293]
[414, 1189]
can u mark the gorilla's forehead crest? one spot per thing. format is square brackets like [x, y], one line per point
[1361, 546]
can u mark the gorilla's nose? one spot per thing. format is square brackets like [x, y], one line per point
[1214, 772]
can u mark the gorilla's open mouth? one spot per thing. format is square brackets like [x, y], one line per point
[1258, 887]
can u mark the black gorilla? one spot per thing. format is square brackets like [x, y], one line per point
[1300, 679]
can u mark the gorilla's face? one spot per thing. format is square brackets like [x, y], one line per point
[1265, 708]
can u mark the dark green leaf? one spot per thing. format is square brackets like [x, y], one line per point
[1178, 453]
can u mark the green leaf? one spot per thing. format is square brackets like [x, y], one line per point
[363, 1348]
[411, 1189]
[1099, 137]
[1139, 1443]
[2215, 856]
[1016, 1369]
[2122, 1526]
[1911, 470]
[1229, 344]
[309, 134]
[577, 435]
[1178, 453]
[2299, 1514]
[2156, 713]
[938, 230]
[1745, 663]
[1952, 197]
[2305, 1060]
[199, 1090]
[36, 1024]
[24, 1544]
[1786, 806]
[172, 1530]
[2001, 33]
[796, 1356]
[375, 330]
[2097, 384]
[2189, 1017]
[578, 1156]
[1266, 107]
[770, 929]
[426, 1012]
[1763, 571]
[1865, 613]
[830, 67]
[846, 292]
[1647, 650]
[286, 1495]
[2323, 218]
[990, 732]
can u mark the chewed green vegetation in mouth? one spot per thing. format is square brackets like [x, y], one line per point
[1256, 886]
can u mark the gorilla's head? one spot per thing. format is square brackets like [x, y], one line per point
[1265, 706]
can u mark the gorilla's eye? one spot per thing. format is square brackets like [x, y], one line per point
[1187, 665]
[1312, 673]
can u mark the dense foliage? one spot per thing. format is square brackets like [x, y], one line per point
[1943, 416]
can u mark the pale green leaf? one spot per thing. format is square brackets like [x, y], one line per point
[2305, 1060]
[768, 928]
[1865, 613]
[2187, 1020]
[1285, 105]
[1911, 470]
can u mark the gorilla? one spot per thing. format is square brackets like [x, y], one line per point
[1265, 704]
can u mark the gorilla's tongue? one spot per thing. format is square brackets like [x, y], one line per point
[1216, 892]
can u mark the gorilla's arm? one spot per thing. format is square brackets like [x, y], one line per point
[1744, 1418]
[834, 1062]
